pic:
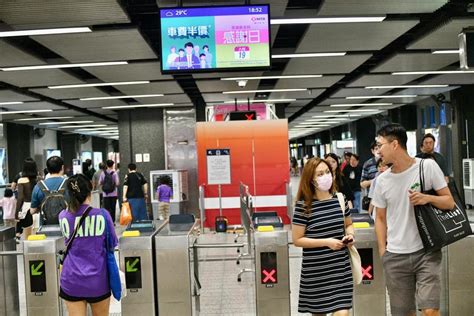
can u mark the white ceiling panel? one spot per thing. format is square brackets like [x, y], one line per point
[348, 92]
[460, 79]
[309, 94]
[110, 45]
[427, 91]
[33, 106]
[322, 82]
[130, 72]
[226, 74]
[344, 37]
[446, 37]
[382, 80]
[324, 65]
[369, 7]
[12, 56]
[25, 14]
[417, 62]
[219, 97]
[60, 94]
[96, 103]
[164, 87]
[224, 85]
[37, 78]
[12, 96]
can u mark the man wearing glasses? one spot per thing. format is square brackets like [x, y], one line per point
[412, 276]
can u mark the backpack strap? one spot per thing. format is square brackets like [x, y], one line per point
[62, 187]
[44, 188]
[69, 244]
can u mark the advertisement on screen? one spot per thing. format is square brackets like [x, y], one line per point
[201, 39]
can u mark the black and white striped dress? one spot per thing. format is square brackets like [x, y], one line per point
[326, 282]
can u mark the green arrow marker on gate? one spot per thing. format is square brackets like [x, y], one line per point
[131, 267]
[35, 270]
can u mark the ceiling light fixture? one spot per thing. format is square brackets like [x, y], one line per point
[420, 86]
[82, 126]
[360, 104]
[433, 72]
[123, 97]
[66, 30]
[24, 112]
[382, 96]
[446, 51]
[336, 115]
[68, 122]
[96, 129]
[137, 106]
[88, 85]
[325, 20]
[11, 103]
[307, 55]
[45, 118]
[265, 90]
[262, 101]
[272, 77]
[357, 110]
[59, 66]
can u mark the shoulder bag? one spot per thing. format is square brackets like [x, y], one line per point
[439, 228]
[63, 254]
[354, 257]
[112, 267]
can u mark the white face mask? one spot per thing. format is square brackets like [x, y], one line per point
[377, 156]
[324, 182]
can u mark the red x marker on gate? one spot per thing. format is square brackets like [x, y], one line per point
[249, 117]
[366, 272]
[269, 276]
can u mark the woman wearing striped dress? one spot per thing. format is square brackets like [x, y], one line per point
[321, 229]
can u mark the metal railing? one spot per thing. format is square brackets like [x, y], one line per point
[202, 207]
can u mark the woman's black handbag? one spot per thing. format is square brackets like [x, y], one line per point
[439, 228]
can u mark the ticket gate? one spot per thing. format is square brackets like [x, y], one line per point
[369, 296]
[272, 273]
[41, 275]
[176, 269]
[137, 262]
[9, 297]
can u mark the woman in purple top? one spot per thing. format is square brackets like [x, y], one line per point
[164, 193]
[84, 274]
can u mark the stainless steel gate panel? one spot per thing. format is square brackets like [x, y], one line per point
[9, 297]
[370, 295]
[272, 270]
[41, 276]
[175, 269]
[137, 261]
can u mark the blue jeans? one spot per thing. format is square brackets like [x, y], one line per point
[357, 201]
[138, 207]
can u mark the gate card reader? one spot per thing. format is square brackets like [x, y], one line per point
[142, 226]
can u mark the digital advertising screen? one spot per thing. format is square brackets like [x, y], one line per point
[205, 39]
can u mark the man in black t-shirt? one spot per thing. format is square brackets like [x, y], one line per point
[353, 172]
[135, 192]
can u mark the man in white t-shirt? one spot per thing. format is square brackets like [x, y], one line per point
[413, 277]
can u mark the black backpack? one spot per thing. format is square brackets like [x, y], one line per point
[109, 184]
[53, 203]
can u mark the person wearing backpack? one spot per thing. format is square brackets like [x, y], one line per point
[48, 195]
[109, 181]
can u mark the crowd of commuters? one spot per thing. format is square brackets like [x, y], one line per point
[34, 200]
[322, 225]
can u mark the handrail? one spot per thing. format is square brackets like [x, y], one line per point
[202, 208]
[289, 200]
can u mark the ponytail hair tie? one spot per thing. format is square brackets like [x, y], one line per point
[75, 186]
